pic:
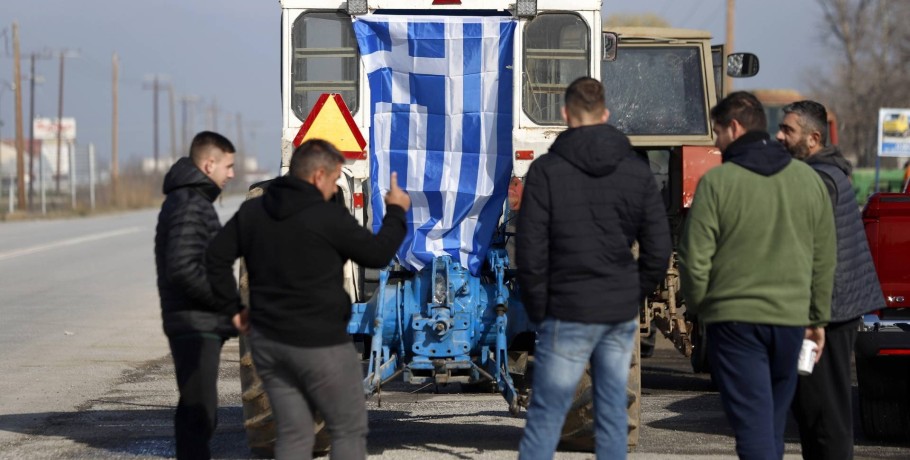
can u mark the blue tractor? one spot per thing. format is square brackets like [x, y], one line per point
[444, 325]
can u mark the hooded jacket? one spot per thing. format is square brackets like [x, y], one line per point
[186, 224]
[856, 286]
[294, 244]
[584, 205]
[758, 245]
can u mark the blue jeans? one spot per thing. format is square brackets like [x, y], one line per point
[562, 353]
[754, 367]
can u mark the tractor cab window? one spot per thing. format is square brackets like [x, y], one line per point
[324, 60]
[656, 90]
[556, 52]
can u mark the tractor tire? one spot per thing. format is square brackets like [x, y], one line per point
[578, 429]
[649, 342]
[884, 404]
[258, 421]
[699, 358]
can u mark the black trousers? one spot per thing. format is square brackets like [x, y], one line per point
[196, 360]
[754, 367]
[823, 406]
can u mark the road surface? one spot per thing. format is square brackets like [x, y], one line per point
[87, 374]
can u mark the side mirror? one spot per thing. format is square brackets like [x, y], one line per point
[610, 41]
[742, 65]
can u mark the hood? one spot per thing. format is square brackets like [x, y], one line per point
[594, 149]
[288, 195]
[184, 173]
[757, 152]
[831, 155]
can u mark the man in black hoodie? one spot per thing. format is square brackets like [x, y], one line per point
[584, 204]
[823, 402]
[196, 326]
[295, 241]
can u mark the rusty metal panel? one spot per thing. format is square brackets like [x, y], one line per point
[696, 161]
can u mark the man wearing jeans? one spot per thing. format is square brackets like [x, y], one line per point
[295, 242]
[757, 260]
[583, 206]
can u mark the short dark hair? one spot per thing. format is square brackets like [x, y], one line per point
[204, 139]
[585, 96]
[743, 107]
[313, 155]
[812, 117]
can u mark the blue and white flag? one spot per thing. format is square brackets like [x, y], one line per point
[441, 117]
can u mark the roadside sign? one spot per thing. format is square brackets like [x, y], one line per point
[331, 120]
[894, 132]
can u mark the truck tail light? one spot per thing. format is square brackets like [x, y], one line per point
[894, 352]
[524, 154]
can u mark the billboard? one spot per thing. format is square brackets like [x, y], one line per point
[894, 132]
[46, 129]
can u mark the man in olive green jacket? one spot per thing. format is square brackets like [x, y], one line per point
[757, 260]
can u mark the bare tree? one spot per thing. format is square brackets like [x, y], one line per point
[870, 70]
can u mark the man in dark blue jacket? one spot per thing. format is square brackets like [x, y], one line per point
[823, 402]
[196, 326]
[295, 242]
[584, 204]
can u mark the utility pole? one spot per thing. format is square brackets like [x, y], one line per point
[115, 171]
[240, 164]
[170, 90]
[31, 129]
[31, 134]
[731, 16]
[213, 116]
[63, 55]
[20, 148]
[155, 87]
[187, 105]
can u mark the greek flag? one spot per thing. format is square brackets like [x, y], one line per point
[441, 117]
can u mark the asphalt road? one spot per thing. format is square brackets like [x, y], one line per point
[87, 374]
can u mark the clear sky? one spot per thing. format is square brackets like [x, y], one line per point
[227, 52]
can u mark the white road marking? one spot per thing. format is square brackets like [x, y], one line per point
[69, 242]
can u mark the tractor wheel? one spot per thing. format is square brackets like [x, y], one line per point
[578, 430]
[699, 358]
[257, 411]
[884, 405]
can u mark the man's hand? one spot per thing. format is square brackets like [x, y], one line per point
[817, 335]
[242, 321]
[396, 195]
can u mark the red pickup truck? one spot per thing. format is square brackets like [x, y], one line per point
[883, 343]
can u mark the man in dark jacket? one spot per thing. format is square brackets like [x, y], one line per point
[295, 242]
[823, 401]
[195, 325]
[756, 264]
[583, 206]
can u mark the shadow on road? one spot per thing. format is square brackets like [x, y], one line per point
[396, 429]
[124, 432]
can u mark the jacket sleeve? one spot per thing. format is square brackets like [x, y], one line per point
[653, 237]
[359, 244]
[698, 246]
[219, 261]
[824, 260]
[187, 239]
[532, 249]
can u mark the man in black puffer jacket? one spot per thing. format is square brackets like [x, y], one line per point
[295, 242]
[823, 405]
[584, 204]
[196, 326]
